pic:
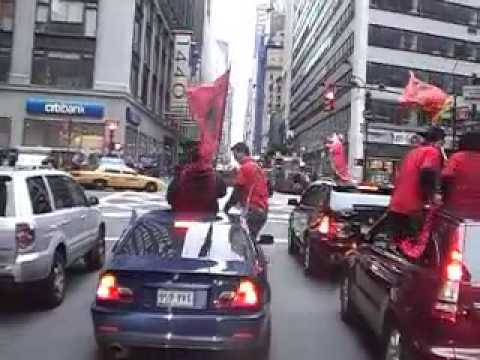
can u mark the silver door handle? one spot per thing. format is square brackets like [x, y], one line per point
[66, 222]
[83, 217]
[53, 227]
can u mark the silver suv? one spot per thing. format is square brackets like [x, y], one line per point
[46, 224]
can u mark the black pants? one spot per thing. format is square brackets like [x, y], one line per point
[256, 219]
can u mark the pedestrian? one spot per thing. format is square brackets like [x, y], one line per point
[251, 190]
[196, 188]
[416, 185]
[461, 177]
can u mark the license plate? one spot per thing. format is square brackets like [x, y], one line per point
[175, 298]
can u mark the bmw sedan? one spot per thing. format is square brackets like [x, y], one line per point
[171, 283]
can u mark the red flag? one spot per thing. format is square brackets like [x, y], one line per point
[207, 103]
[429, 98]
[338, 158]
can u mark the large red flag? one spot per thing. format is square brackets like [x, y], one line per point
[207, 104]
[429, 98]
[338, 157]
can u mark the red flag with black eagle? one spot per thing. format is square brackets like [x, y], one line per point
[207, 104]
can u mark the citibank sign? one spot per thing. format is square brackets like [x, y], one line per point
[54, 107]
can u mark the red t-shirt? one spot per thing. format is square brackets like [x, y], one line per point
[407, 197]
[253, 184]
[463, 168]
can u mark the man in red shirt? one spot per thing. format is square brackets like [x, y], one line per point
[251, 190]
[416, 184]
[461, 177]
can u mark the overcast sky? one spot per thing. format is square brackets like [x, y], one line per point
[234, 22]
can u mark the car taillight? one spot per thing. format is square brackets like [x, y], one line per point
[108, 290]
[246, 295]
[332, 228]
[446, 306]
[24, 237]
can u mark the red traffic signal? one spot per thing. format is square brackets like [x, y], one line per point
[329, 98]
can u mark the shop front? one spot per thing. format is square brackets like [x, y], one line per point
[71, 126]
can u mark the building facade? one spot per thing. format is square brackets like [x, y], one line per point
[73, 71]
[375, 44]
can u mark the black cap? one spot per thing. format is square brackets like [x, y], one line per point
[433, 134]
[241, 147]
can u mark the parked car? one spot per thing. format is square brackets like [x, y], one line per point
[423, 309]
[46, 224]
[187, 285]
[118, 177]
[324, 224]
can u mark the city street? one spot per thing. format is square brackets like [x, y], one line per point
[306, 322]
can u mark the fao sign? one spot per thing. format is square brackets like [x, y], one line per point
[181, 72]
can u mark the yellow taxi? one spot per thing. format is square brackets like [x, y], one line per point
[118, 177]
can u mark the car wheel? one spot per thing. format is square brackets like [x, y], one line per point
[292, 246]
[95, 258]
[395, 348]
[151, 187]
[55, 284]
[307, 258]
[100, 184]
[347, 312]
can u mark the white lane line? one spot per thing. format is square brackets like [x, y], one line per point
[111, 238]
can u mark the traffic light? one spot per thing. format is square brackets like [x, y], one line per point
[329, 98]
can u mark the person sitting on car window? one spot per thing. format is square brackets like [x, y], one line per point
[196, 188]
[461, 177]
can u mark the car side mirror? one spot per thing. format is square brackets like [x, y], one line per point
[293, 202]
[266, 240]
[93, 201]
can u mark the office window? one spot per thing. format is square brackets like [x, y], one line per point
[134, 76]
[154, 92]
[5, 56]
[146, 74]
[147, 47]
[62, 69]
[7, 9]
[68, 11]
[90, 22]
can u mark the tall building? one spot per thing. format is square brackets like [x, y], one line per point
[73, 71]
[375, 43]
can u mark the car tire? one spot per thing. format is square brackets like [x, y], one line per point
[347, 310]
[292, 246]
[100, 184]
[54, 285]
[151, 187]
[95, 258]
[395, 348]
[308, 266]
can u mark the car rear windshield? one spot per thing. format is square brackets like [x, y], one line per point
[6, 197]
[349, 200]
[199, 240]
[472, 251]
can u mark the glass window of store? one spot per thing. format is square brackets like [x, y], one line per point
[131, 141]
[64, 134]
[7, 8]
[5, 130]
[142, 144]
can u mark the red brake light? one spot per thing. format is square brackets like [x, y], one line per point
[246, 295]
[24, 237]
[332, 228]
[108, 290]
[324, 226]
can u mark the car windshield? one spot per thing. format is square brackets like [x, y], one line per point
[186, 240]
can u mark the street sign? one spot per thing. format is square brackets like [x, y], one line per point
[471, 94]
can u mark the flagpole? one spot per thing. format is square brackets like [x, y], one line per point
[223, 114]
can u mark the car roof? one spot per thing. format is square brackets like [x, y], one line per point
[29, 171]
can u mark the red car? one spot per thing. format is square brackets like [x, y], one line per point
[423, 309]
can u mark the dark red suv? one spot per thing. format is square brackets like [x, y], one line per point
[423, 309]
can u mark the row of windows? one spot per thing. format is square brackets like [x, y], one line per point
[67, 17]
[434, 9]
[428, 44]
[393, 113]
[324, 41]
[397, 76]
[7, 10]
[319, 76]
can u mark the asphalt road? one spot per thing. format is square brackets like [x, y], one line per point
[306, 323]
